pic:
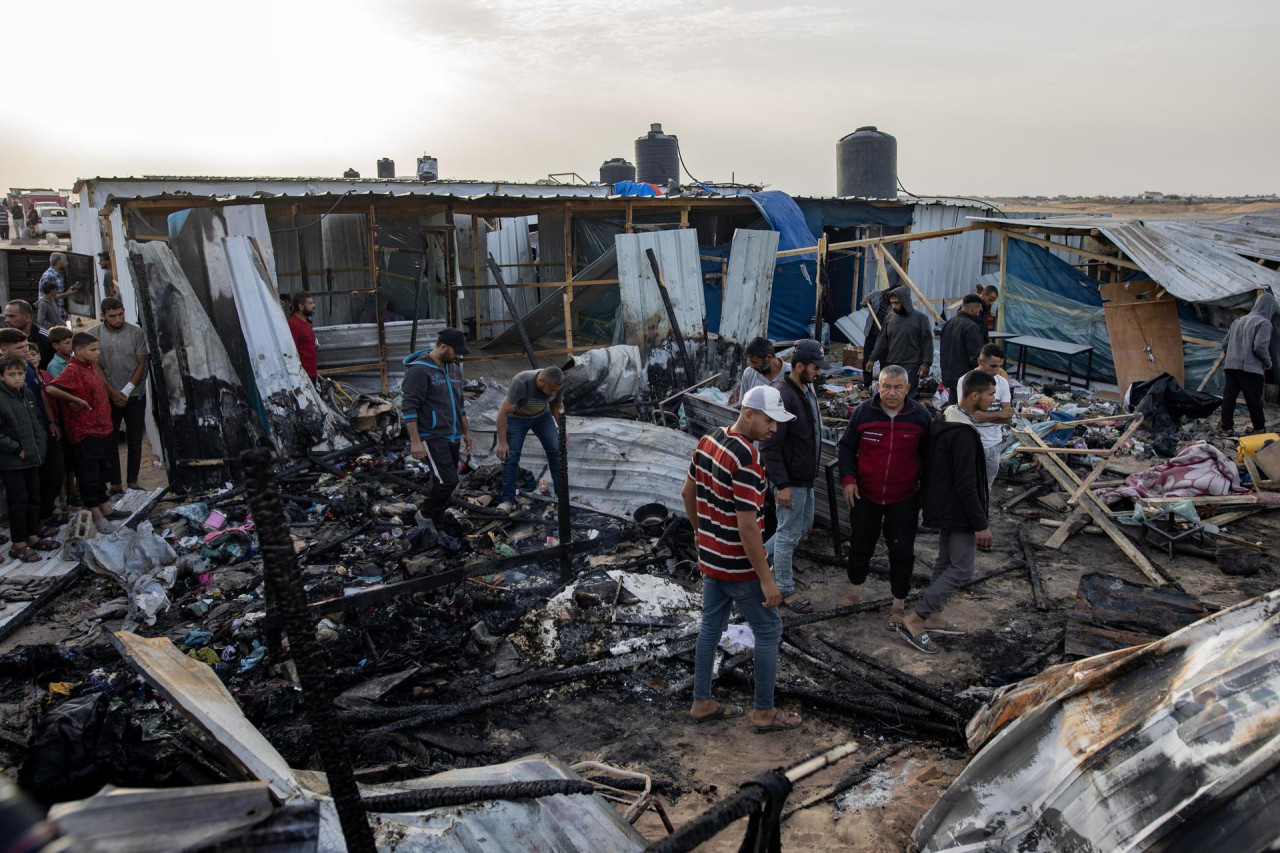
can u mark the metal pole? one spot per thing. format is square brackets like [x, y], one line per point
[671, 315]
[496, 272]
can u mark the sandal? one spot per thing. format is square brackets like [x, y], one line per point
[46, 545]
[920, 642]
[47, 531]
[799, 604]
[25, 555]
[4, 540]
[722, 712]
[896, 615]
[782, 721]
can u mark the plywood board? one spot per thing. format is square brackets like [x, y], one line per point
[644, 318]
[748, 285]
[1146, 337]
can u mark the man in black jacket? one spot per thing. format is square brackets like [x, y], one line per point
[956, 503]
[790, 458]
[961, 343]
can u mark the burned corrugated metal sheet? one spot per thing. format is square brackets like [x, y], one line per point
[748, 285]
[209, 413]
[1170, 746]
[644, 317]
[1187, 257]
[1112, 613]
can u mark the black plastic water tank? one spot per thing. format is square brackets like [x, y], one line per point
[657, 157]
[351, 175]
[386, 168]
[867, 164]
[615, 170]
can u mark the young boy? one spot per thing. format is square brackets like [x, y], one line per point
[22, 449]
[60, 339]
[88, 423]
[955, 502]
[48, 314]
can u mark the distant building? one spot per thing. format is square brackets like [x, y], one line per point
[1151, 195]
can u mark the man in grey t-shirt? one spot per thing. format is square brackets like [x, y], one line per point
[122, 364]
[533, 402]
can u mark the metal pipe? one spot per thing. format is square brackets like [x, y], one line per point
[511, 309]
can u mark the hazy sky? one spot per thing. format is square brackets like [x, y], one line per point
[987, 98]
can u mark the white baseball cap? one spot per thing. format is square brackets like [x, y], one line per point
[765, 398]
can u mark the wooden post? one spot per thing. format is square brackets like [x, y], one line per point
[817, 286]
[1102, 463]
[1004, 260]
[630, 218]
[1212, 370]
[568, 278]
[375, 273]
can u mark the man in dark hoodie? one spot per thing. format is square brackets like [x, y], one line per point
[791, 458]
[1248, 348]
[906, 339]
[435, 417]
[961, 343]
[955, 502]
[882, 460]
[877, 301]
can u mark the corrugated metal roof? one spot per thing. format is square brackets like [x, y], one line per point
[1196, 260]
[1167, 746]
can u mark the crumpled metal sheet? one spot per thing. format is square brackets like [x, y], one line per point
[1171, 746]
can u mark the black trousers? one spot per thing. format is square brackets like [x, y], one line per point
[92, 454]
[52, 472]
[442, 456]
[1252, 384]
[133, 416]
[22, 490]
[898, 522]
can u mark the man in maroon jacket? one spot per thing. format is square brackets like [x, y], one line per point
[304, 338]
[882, 459]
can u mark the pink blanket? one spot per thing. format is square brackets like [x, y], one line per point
[1198, 470]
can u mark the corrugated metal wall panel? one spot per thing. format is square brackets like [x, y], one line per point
[644, 317]
[509, 245]
[945, 267]
[748, 285]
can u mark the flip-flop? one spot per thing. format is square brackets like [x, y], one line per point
[799, 605]
[722, 712]
[920, 642]
[788, 722]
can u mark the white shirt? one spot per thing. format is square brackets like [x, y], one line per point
[993, 434]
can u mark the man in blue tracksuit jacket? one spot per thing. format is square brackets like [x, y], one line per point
[435, 418]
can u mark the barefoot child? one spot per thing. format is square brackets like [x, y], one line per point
[22, 449]
[88, 423]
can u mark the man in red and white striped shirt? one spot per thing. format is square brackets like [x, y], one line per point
[724, 500]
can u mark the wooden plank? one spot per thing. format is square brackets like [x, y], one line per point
[1066, 479]
[1085, 451]
[902, 274]
[1217, 364]
[1074, 523]
[1145, 333]
[197, 692]
[1062, 247]
[896, 238]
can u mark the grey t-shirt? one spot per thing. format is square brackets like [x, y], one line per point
[118, 354]
[527, 398]
[752, 377]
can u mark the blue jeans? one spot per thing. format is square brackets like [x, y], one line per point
[792, 524]
[766, 625]
[544, 427]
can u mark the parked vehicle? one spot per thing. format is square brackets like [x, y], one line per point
[53, 219]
